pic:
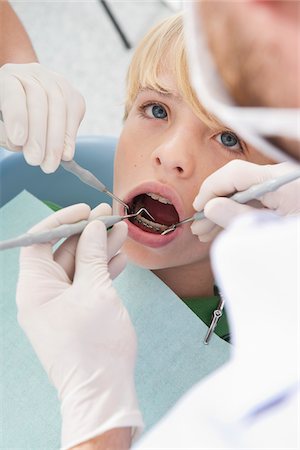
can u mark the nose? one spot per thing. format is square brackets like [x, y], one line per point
[175, 156]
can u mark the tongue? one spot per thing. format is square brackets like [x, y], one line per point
[163, 213]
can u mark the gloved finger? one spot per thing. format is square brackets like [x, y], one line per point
[39, 280]
[104, 209]
[208, 237]
[285, 201]
[5, 142]
[56, 125]
[235, 176]
[116, 238]
[202, 227]
[75, 110]
[223, 211]
[14, 110]
[117, 265]
[37, 106]
[71, 214]
[91, 254]
[65, 254]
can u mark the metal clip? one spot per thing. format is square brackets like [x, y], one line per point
[217, 314]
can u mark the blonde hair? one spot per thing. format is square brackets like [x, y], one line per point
[163, 49]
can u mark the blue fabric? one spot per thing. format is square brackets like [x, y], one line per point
[95, 153]
[29, 406]
[171, 355]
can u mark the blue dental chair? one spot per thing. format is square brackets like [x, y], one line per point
[95, 153]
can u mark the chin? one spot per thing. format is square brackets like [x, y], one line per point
[145, 257]
[155, 259]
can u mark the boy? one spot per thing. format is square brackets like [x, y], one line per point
[168, 146]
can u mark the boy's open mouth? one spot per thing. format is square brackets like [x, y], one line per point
[160, 208]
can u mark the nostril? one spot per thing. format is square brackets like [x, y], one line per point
[180, 169]
[158, 161]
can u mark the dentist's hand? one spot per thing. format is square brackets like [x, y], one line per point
[239, 176]
[41, 114]
[78, 326]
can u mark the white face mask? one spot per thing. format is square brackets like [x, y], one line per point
[254, 124]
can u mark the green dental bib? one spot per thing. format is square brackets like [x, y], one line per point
[171, 354]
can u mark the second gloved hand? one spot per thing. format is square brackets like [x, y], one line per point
[41, 113]
[238, 176]
[79, 328]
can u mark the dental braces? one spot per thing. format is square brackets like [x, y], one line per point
[149, 224]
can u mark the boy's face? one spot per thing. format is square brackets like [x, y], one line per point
[165, 150]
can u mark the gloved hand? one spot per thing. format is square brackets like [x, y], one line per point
[79, 328]
[66, 253]
[238, 176]
[41, 113]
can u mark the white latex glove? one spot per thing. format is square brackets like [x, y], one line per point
[66, 253]
[238, 176]
[41, 114]
[79, 328]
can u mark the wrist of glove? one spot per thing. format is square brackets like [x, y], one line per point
[237, 176]
[79, 328]
[41, 113]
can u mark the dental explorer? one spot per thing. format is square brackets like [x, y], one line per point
[88, 178]
[63, 231]
[254, 192]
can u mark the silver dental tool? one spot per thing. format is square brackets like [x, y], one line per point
[217, 314]
[63, 231]
[88, 178]
[254, 192]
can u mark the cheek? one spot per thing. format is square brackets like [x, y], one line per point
[257, 157]
[124, 149]
[124, 158]
[209, 162]
[132, 155]
[131, 143]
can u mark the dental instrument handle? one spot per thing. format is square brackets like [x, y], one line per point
[254, 192]
[63, 231]
[83, 174]
[258, 190]
[88, 178]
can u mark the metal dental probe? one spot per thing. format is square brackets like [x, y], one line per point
[88, 178]
[63, 231]
[254, 192]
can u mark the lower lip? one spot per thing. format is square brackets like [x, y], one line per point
[150, 239]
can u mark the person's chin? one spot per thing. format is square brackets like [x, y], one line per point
[156, 259]
[146, 257]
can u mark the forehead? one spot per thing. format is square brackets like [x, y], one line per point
[165, 85]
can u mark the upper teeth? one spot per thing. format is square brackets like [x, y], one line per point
[159, 198]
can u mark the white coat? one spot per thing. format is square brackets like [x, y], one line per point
[253, 401]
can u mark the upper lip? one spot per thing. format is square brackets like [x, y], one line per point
[161, 189]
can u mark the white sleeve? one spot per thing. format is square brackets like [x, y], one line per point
[252, 402]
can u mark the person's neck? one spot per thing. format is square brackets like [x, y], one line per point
[194, 280]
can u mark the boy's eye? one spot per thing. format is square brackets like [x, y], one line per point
[155, 111]
[229, 140]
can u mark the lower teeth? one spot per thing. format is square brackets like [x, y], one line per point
[149, 224]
